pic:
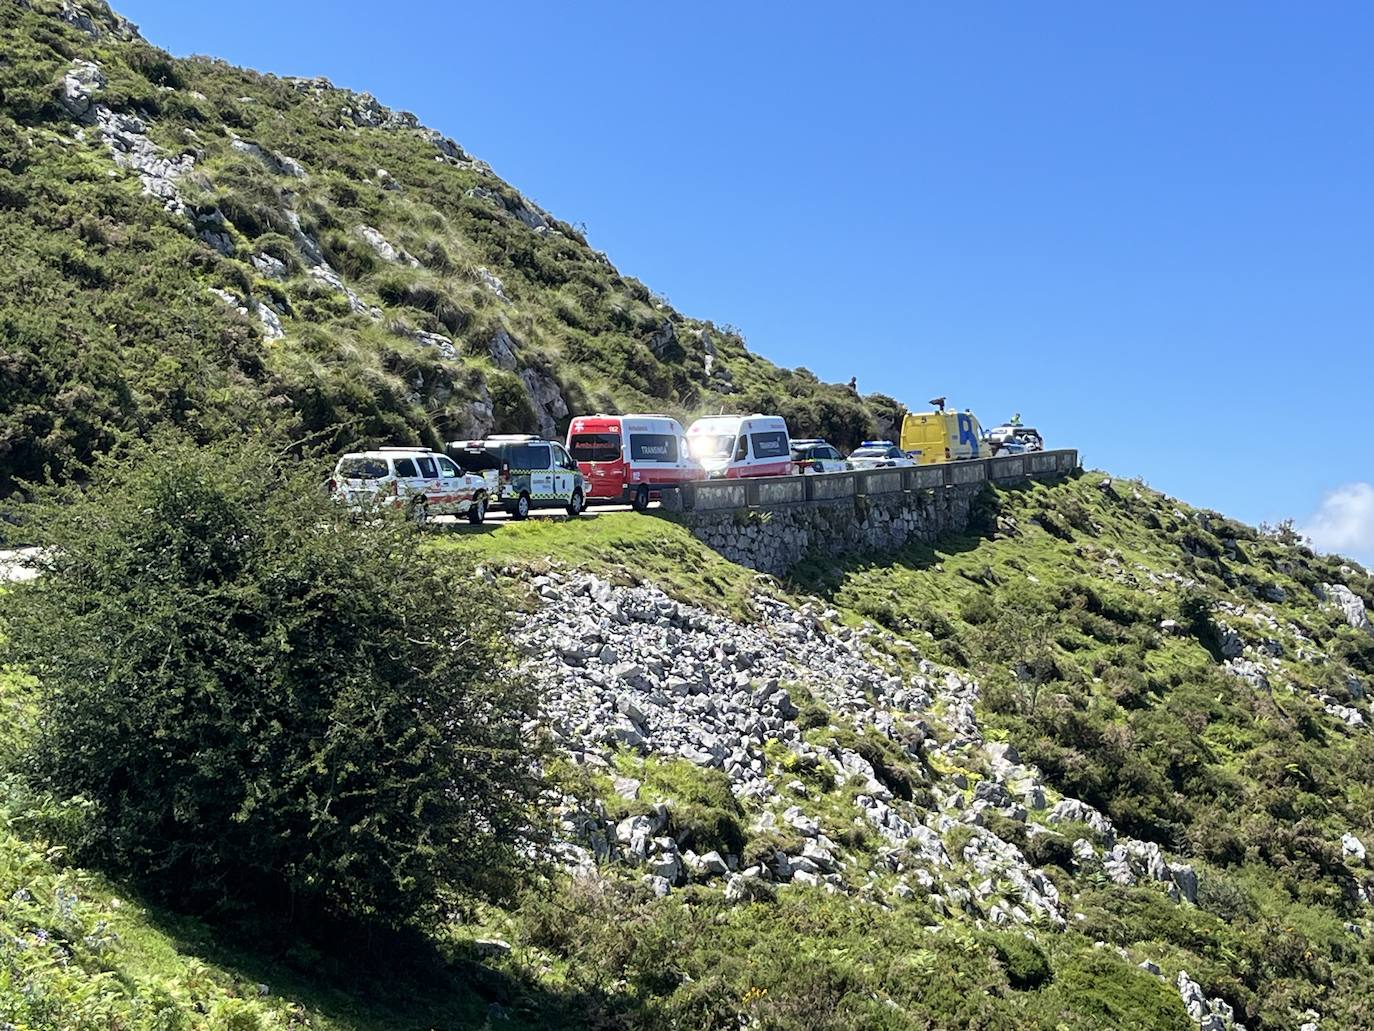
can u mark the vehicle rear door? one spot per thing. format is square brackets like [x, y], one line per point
[361, 479]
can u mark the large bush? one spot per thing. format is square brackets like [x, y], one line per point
[267, 701]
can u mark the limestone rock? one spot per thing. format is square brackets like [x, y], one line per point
[84, 79]
[1351, 605]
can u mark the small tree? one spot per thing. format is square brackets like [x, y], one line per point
[266, 700]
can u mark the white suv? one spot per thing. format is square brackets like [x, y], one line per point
[426, 482]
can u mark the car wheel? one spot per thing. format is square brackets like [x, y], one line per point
[575, 504]
[641, 499]
[477, 511]
[419, 511]
[522, 507]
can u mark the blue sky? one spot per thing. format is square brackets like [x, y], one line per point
[1149, 228]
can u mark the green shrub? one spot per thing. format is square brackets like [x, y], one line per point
[1023, 960]
[265, 700]
[704, 812]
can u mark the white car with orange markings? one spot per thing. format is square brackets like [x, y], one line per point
[422, 481]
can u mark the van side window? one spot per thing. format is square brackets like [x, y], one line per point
[653, 447]
[447, 468]
[561, 457]
[427, 469]
[769, 445]
[741, 449]
[405, 468]
[529, 456]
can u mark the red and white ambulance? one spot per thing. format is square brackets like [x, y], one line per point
[733, 446]
[631, 457]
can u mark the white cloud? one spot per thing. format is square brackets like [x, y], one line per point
[1345, 522]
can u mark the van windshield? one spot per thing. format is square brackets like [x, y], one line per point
[363, 468]
[711, 445]
[595, 447]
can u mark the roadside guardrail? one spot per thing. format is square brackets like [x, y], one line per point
[776, 491]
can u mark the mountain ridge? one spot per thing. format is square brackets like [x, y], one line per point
[328, 263]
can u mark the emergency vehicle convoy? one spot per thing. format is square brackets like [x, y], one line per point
[633, 458]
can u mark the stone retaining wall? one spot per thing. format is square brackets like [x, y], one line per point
[772, 524]
[774, 540]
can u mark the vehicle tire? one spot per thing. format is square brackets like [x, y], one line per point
[477, 511]
[641, 499]
[419, 511]
[522, 507]
[576, 504]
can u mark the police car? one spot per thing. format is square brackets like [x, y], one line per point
[811, 455]
[878, 454]
[1011, 438]
[525, 472]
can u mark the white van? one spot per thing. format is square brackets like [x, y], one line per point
[733, 446]
[630, 457]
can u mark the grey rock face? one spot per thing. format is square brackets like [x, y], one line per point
[521, 209]
[273, 161]
[1232, 645]
[271, 324]
[1351, 605]
[383, 249]
[546, 398]
[1209, 1014]
[1352, 848]
[491, 281]
[81, 19]
[269, 267]
[83, 81]
[504, 352]
[160, 175]
[663, 340]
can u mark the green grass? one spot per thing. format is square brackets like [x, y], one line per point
[623, 546]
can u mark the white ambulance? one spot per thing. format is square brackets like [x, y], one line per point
[736, 446]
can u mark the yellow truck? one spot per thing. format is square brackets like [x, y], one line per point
[931, 437]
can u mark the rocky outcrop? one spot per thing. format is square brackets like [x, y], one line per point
[274, 161]
[383, 249]
[522, 210]
[96, 21]
[84, 79]
[664, 343]
[1351, 605]
[546, 398]
[1209, 1014]
[503, 350]
[629, 667]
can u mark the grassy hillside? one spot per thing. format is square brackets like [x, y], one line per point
[1176, 670]
[186, 242]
